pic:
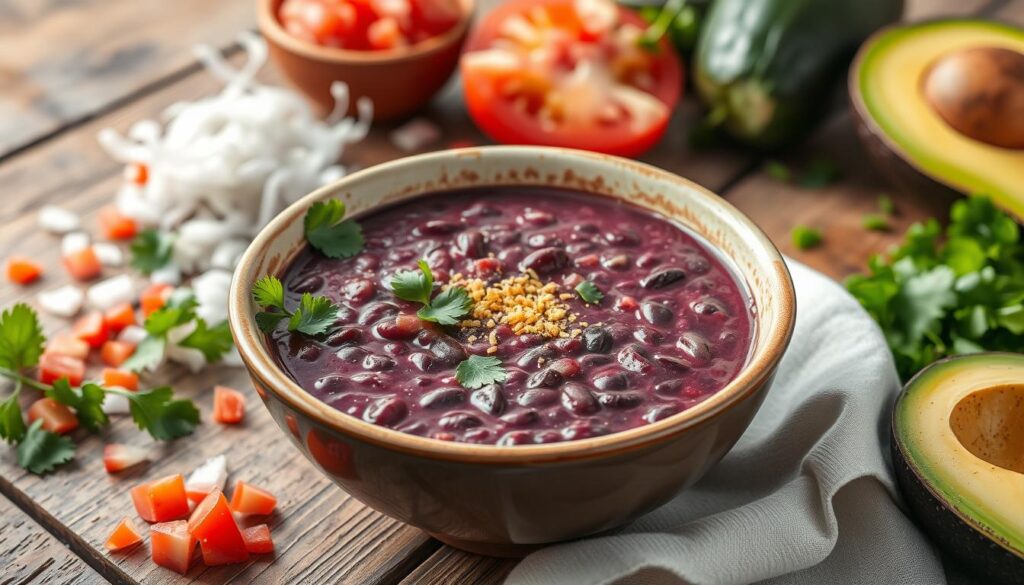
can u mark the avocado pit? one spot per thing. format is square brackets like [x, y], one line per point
[990, 424]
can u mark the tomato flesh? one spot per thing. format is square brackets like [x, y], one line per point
[173, 545]
[115, 225]
[569, 73]
[249, 499]
[83, 264]
[228, 405]
[154, 298]
[368, 25]
[219, 537]
[118, 317]
[125, 535]
[53, 367]
[92, 329]
[68, 345]
[257, 539]
[121, 379]
[114, 353]
[56, 417]
[161, 500]
[21, 270]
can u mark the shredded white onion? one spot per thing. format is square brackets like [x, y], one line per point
[65, 301]
[57, 220]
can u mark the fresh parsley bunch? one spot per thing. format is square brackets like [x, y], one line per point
[936, 296]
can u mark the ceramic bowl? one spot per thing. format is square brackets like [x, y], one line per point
[505, 500]
[399, 81]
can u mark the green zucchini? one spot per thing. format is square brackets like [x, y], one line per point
[765, 68]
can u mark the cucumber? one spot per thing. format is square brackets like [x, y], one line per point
[765, 68]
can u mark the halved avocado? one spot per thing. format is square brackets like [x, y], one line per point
[938, 105]
[958, 449]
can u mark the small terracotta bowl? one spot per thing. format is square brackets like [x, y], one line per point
[504, 501]
[399, 81]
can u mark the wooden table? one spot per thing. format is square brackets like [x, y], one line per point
[68, 69]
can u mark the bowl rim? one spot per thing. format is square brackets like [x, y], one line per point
[270, 26]
[264, 369]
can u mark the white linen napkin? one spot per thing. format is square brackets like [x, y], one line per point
[805, 496]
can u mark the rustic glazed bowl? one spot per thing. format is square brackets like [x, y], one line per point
[505, 500]
[399, 81]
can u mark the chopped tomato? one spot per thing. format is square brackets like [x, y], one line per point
[162, 499]
[257, 539]
[56, 417]
[69, 345]
[83, 264]
[118, 317]
[117, 226]
[155, 297]
[173, 545]
[228, 405]
[249, 499]
[21, 270]
[137, 173]
[118, 457]
[365, 25]
[115, 353]
[218, 534]
[91, 329]
[121, 379]
[53, 367]
[569, 73]
[125, 535]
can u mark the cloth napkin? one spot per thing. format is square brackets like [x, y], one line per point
[805, 496]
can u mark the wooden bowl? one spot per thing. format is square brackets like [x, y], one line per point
[498, 500]
[399, 81]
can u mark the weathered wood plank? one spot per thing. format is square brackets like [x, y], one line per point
[450, 566]
[29, 554]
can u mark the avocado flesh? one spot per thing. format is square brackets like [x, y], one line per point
[977, 400]
[888, 77]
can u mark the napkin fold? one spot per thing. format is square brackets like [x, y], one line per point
[805, 496]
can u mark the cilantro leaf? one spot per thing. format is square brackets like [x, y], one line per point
[21, 338]
[328, 234]
[805, 238]
[40, 451]
[447, 307]
[151, 250]
[886, 206]
[214, 341]
[269, 292]
[12, 425]
[267, 321]
[479, 371]
[87, 402]
[163, 418]
[147, 354]
[589, 292]
[410, 285]
[313, 316]
[820, 173]
[179, 310]
[875, 223]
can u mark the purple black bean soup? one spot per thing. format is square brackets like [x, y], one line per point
[512, 316]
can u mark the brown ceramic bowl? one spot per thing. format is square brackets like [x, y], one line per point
[506, 500]
[399, 81]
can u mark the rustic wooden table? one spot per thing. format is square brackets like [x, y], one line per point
[68, 69]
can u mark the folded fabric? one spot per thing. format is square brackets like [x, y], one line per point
[805, 496]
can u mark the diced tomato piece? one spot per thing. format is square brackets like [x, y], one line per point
[21, 270]
[56, 417]
[83, 264]
[68, 345]
[118, 317]
[125, 535]
[249, 499]
[228, 405]
[121, 379]
[118, 457]
[117, 226]
[162, 499]
[91, 329]
[218, 534]
[115, 353]
[257, 539]
[155, 297]
[137, 173]
[173, 545]
[385, 34]
[53, 367]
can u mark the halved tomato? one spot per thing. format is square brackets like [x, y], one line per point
[569, 73]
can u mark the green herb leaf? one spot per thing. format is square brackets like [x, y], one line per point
[589, 292]
[886, 206]
[40, 451]
[447, 307]
[213, 342]
[328, 234]
[413, 286]
[313, 316]
[21, 338]
[147, 354]
[267, 321]
[12, 425]
[179, 310]
[479, 371]
[778, 171]
[151, 250]
[164, 418]
[269, 292]
[805, 238]
[87, 402]
[875, 223]
[820, 173]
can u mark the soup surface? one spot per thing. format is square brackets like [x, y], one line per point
[673, 326]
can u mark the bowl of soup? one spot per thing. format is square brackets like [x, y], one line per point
[590, 335]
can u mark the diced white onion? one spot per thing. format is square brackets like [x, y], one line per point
[65, 301]
[132, 334]
[168, 274]
[213, 474]
[227, 254]
[415, 135]
[111, 292]
[211, 288]
[109, 255]
[57, 220]
[115, 404]
[74, 242]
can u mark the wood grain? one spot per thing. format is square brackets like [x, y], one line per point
[450, 566]
[29, 554]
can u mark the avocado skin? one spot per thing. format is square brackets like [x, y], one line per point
[952, 534]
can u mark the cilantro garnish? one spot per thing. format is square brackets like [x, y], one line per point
[40, 451]
[446, 308]
[155, 412]
[589, 292]
[21, 338]
[819, 173]
[479, 371]
[328, 234]
[151, 250]
[313, 316]
[805, 238]
[87, 402]
[934, 297]
[885, 205]
[12, 424]
[179, 311]
[875, 223]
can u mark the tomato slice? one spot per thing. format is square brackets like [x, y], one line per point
[228, 405]
[249, 499]
[118, 317]
[569, 73]
[21, 270]
[173, 545]
[53, 367]
[56, 417]
[83, 264]
[115, 353]
[257, 539]
[162, 499]
[125, 535]
[69, 345]
[121, 379]
[115, 225]
[218, 534]
[155, 297]
[91, 329]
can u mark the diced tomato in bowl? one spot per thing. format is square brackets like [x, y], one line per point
[257, 539]
[368, 25]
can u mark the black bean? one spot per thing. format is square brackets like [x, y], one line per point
[331, 383]
[443, 397]
[481, 210]
[577, 399]
[537, 218]
[543, 437]
[376, 311]
[660, 412]
[662, 278]
[546, 378]
[459, 421]
[515, 438]
[597, 339]
[709, 306]
[353, 355]
[543, 240]
[423, 361]
[633, 359]
[672, 363]
[622, 238]
[439, 227]
[310, 283]
[378, 363]
[595, 360]
[308, 352]
[360, 290]
[385, 411]
[521, 418]
[533, 356]
[611, 380]
[584, 430]
[647, 335]
[617, 263]
[669, 387]
[620, 400]
[370, 380]
[537, 397]
[695, 347]
[489, 399]
[656, 313]
[447, 350]
[545, 261]
[345, 336]
[471, 244]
